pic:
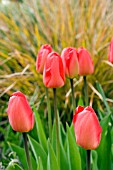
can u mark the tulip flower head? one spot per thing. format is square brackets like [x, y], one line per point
[87, 128]
[20, 114]
[86, 65]
[110, 56]
[42, 56]
[53, 75]
[70, 62]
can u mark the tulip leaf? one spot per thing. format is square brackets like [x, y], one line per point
[41, 133]
[74, 155]
[83, 156]
[80, 101]
[63, 159]
[99, 87]
[52, 160]
[112, 156]
[22, 156]
[94, 160]
[38, 152]
[40, 166]
[14, 166]
[54, 136]
[104, 149]
[64, 164]
[62, 133]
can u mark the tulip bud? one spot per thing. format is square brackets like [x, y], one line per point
[53, 75]
[86, 65]
[70, 62]
[42, 56]
[87, 128]
[110, 56]
[20, 115]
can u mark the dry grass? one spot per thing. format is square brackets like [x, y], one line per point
[61, 23]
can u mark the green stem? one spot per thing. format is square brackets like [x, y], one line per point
[27, 151]
[72, 90]
[88, 159]
[57, 127]
[85, 91]
[49, 114]
[86, 104]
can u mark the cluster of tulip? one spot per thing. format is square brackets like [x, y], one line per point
[54, 68]
[71, 63]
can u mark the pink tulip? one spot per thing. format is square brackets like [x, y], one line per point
[70, 62]
[42, 56]
[86, 65]
[87, 128]
[20, 115]
[53, 75]
[110, 56]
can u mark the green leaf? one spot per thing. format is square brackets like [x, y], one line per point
[99, 87]
[21, 154]
[80, 101]
[64, 164]
[104, 149]
[40, 166]
[74, 155]
[38, 152]
[41, 133]
[112, 155]
[52, 160]
[83, 156]
[62, 133]
[14, 166]
[94, 160]
[54, 136]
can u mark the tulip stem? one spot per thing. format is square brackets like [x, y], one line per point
[49, 113]
[88, 160]
[72, 90]
[27, 151]
[57, 127]
[86, 104]
[85, 91]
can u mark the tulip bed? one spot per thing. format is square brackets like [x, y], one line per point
[85, 144]
[38, 136]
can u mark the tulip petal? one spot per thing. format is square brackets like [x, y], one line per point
[87, 128]
[53, 76]
[42, 56]
[86, 65]
[20, 114]
[70, 62]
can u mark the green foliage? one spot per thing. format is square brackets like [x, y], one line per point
[71, 157]
[13, 166]
[52, 160]
[73, 152]
[40, 131]
[38, 152]
[25, 26]
[105, 145]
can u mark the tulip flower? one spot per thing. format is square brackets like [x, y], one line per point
[86, 65]
[53, 75]
[110, 56]
[70, 62]
[42, 56]
[87, 128]
[20, 115]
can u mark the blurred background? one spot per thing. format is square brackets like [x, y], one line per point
[27, 24]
